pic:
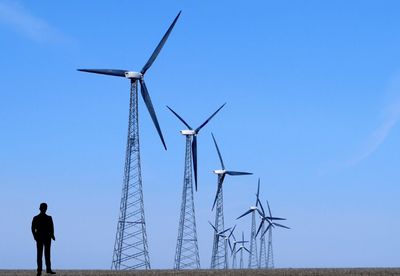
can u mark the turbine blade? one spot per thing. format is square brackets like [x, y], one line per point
[259, 228]
[209, 118]
[110, 72]
[233, 249]
[237, 173]
[215, 199]
[231, 233]
[258, 192]
[194, 156]
[219, 153]
[212, 226]
[266, 230]
[262, 208]
[220, 181]
[275, 218]
[233, 236]
[246, 213]
[224, 231]
[150, 108]
[179, 117]
[269, 209]
[280, 225]
[230, 245]
[246, 250]
[159, 46]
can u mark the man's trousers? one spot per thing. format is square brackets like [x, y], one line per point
[40, 244]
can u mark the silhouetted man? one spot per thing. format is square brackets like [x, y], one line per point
[43, 233]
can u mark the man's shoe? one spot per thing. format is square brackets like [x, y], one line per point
[50, 272]
[39, 273]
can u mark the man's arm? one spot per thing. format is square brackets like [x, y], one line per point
[52, 229]
[33, 228]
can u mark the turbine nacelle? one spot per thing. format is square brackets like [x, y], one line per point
[133, 75]
[219, 172]
[188, 132]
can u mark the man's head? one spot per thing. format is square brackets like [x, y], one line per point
[43, 207]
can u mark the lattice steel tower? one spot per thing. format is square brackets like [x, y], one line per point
[263, 249]
[219, 250]
[270, 254]
[268, 260]
[219, 257]
[130, 248]
[187, 250]
[253, 258]
[241, 248]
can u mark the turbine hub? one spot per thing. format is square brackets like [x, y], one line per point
[133, 75]
[188, 132]
[219, 171]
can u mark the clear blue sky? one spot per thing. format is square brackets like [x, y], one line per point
[313, 105]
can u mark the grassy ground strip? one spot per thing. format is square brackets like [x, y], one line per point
[236, 272]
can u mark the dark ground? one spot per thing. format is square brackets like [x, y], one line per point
[236, 272]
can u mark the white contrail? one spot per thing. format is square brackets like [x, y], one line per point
[391, 116]
[15, 15]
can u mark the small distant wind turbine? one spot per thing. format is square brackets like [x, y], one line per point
[222, 173]
[268, 219]
[269, 261]
[241, 248]
[227, 240]
[231, 235]
[218, 247]
[253, 261]
[219, 234]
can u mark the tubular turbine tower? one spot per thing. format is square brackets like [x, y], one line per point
[218, 256]
[187, 250]
[130, 249]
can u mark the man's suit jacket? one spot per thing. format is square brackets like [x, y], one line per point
[42, 227]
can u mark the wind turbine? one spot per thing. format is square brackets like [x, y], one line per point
[253, 261]
[241, 248]
[192, 135]
[187, 250]
[219, 247]
[268, 261]
[232, 248]
[130, 249]
[228, 241]
[220, 235]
